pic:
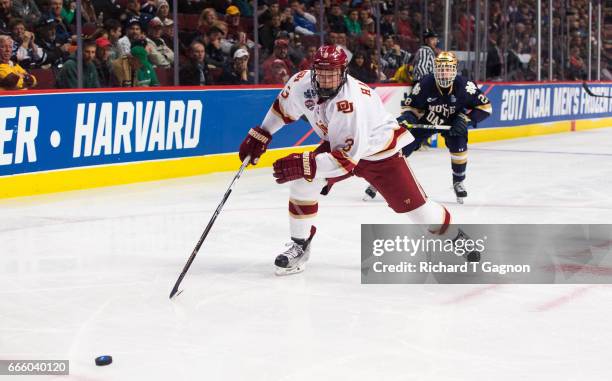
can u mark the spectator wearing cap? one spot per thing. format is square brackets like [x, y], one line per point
[335, 19]
[235, 32]
[281, 52]
[7, 13]
[163, 13]
[424, 57]
[27, 10]
[134, 12]
[353, 26]
[12, 76]
[387, 24]
[133, 36]
[103, 61]
[305, 23]
[238, 72]
[25, 52]
[144, 74]
[276, 72]
[159, 53]
[195, 72]
[55, 51]
[67, 77]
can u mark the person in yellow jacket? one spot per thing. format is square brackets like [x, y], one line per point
[403, 74]
[12, 76]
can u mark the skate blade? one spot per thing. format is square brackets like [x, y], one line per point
[367, 198]
[460, 200]
[282, 271]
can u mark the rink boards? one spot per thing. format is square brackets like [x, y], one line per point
[66, 140]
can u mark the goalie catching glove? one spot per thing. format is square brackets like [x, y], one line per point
[255, 144]
[294, 167]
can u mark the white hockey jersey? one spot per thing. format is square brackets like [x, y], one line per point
[355, 122]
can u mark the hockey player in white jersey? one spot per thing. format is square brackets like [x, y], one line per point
[360, 138]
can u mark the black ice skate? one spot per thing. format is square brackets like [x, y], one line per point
[370, 193]
[460, 191]
[294, 259]
[472, 256]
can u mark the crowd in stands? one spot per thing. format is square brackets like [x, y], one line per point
[131, 42]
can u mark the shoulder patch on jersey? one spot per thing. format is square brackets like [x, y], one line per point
[471, 88]
[310, 94]
[310, 104]
[416, 89]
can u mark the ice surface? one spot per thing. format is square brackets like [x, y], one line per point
[88, 273]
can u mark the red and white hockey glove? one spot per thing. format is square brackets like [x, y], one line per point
[294, 167]
[255, 144]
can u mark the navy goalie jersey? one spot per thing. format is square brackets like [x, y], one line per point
[431, 104]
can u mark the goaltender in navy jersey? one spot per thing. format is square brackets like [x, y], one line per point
[434, 105]
[354, 122]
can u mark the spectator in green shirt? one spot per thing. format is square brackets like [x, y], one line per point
[145, 74]
[67, 77]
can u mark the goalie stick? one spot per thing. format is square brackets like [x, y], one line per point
[588, 91]
[175, 290]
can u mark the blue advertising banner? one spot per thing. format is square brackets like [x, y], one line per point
[521, 104]
[41, 132]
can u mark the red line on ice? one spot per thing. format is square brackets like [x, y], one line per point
[563, 299]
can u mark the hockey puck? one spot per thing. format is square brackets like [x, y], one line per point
[104, 360]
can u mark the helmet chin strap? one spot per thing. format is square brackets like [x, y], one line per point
[326, 94]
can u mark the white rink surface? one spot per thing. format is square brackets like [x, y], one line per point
[88, 273]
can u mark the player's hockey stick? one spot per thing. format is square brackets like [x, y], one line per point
[174, 291]
[588, 91]
[441, 127]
